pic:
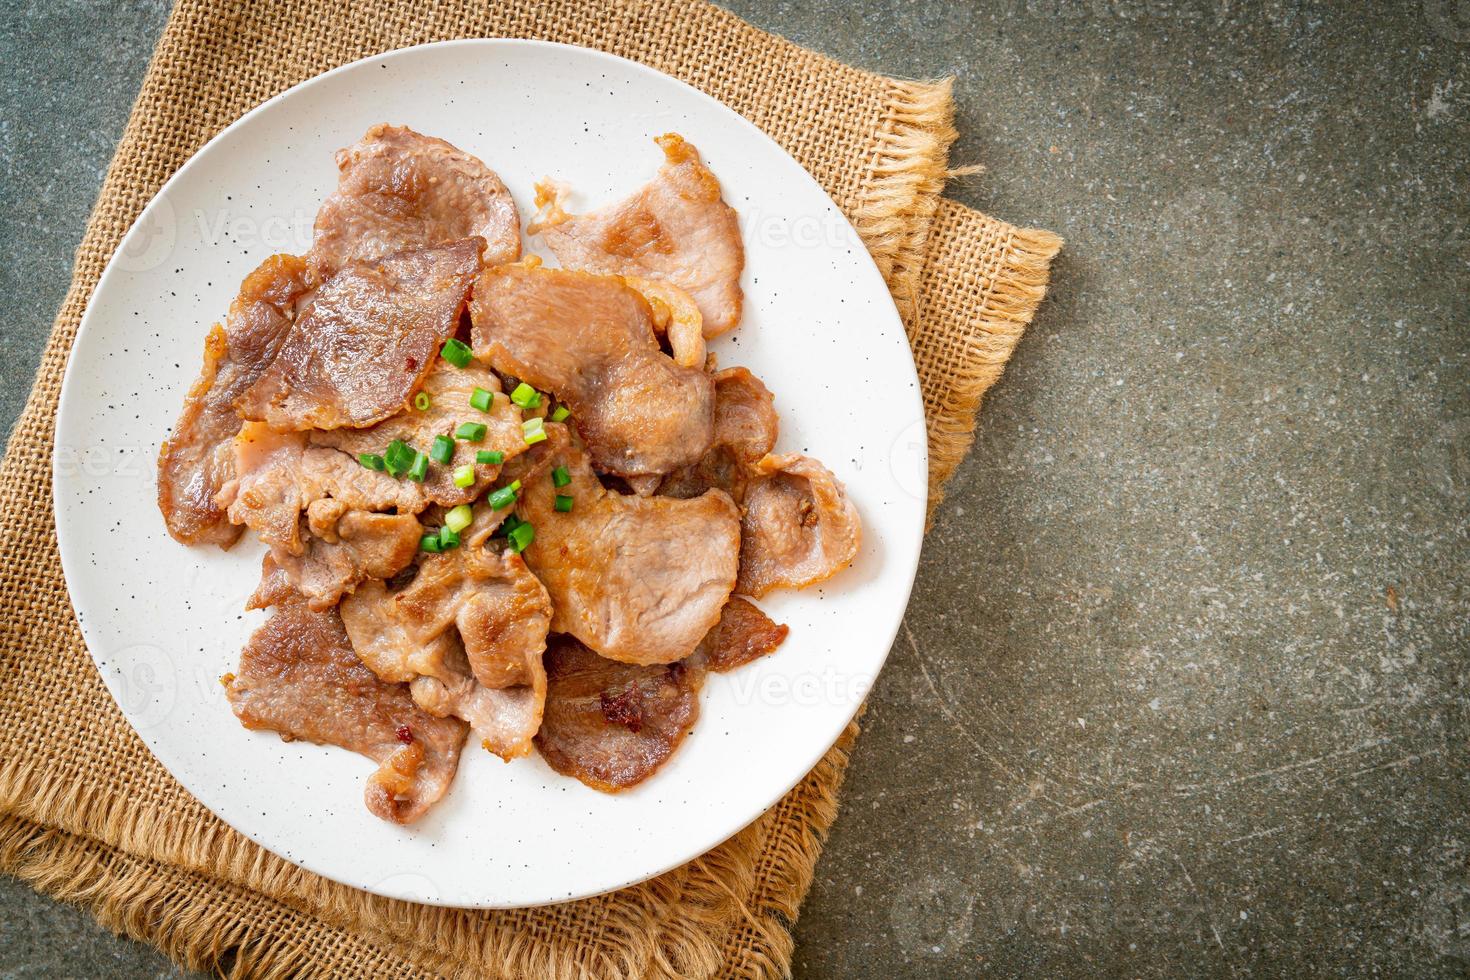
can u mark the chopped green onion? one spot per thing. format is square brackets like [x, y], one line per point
[422, 401]
[420, 468]
[511, 520]
[490, 457]
[442, 451]
[502, 498]
[430, 543]
[561, 414]
[483, 399]
[526, 396]
[470, 431]
[563, 503]
[398, 457]
[372, 461]
[448, 537]
[560, 477]
[533, 430]
[464, 476]
[459, 518]
[521, 535]
[457, 352]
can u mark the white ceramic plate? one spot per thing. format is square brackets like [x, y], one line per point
[164, 621]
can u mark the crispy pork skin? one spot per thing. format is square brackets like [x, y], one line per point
[589, 340]
[676, 229]
[609, 724]
[360, 349]
[400, 190]
[299, 677]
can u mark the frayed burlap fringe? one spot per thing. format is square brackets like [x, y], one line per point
[87, 815]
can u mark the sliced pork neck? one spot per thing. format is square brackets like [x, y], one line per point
[638, 579]
[299, 677]
[676, 229]
[360, 350]
[400, 190]
[589, 340]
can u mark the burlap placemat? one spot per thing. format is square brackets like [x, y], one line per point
[87, 815]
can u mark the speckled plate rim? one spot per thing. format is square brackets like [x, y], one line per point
[900, 518]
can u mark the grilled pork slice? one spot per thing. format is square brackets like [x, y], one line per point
[743, 634]
[468, 632]
[676, 229]
[609, 724]
[362, 346]
[196, 460]
[401, 190]
[799, 527]
[589, 340]
[637, 579]
[299, 677]
[746, 427]
[450, 390]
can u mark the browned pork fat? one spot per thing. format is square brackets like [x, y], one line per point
[743, 634]
[589, 340]
[449, 389]
[360, 349]
[401, 190]
[611, 725]
[676, 229]
[638, 579]
[799, 527]
[299, 677]
[745, 431]
[197, 459]
[468, 632]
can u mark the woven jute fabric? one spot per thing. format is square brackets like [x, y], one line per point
[87, 814]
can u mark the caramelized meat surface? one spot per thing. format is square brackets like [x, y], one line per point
[676, 229]
[638, 579]
[589, 340]
[360, 349]
[299, 677]
[743, 634]
[196, 460]
[611, 725]
[799, 527]
[401, 190]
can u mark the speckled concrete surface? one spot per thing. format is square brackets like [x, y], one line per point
[1181, 689]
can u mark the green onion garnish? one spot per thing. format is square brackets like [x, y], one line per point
[520, 536]
[490, 457]
[560, 477]
[502, 498]
[448, 538]
[533, 430]
[398, 457]
[442, 451]
[420, 468]
[526, 396]
[372, 461]
[430, 543]
[561, 414]
[422, 401]
[459, 518]
[464, 476]
[470, 431]
[482, 399]
[509, 523]
[456, 352]
[563, 503]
